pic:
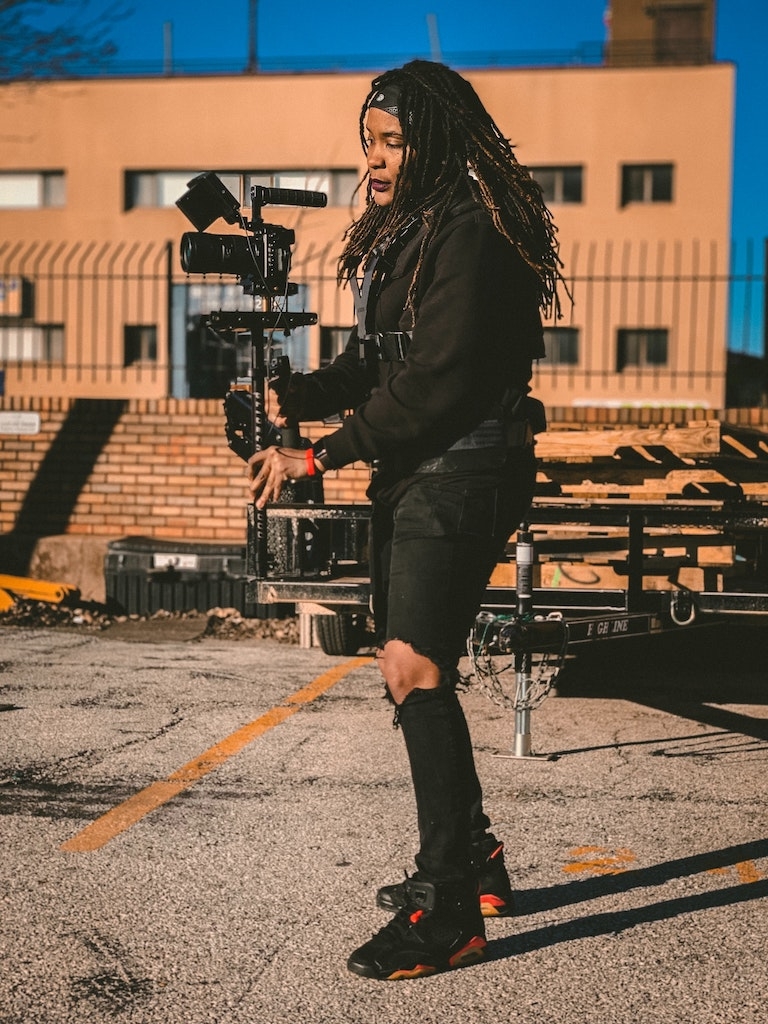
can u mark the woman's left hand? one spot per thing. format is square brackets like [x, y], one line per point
[269, 470]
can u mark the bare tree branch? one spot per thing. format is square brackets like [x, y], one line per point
[56, 38]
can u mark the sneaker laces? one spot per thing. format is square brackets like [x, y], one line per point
[401, 927]
[408, 915]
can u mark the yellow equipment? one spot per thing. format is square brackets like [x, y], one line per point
[15, 588]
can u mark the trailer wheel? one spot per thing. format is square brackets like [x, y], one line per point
[340, 634]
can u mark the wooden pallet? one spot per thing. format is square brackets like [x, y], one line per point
[707, 459]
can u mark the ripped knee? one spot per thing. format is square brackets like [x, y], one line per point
[405, 669]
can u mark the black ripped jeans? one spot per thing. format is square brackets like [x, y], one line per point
[432, 555]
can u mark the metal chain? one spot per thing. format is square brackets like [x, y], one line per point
[496, 675]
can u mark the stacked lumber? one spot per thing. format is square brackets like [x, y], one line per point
[706, 459]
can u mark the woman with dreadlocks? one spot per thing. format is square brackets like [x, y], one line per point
[451, 262]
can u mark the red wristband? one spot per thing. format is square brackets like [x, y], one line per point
[310, 457]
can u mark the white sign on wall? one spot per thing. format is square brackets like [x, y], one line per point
[19, 422]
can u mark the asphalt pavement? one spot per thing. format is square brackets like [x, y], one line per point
[193, 830]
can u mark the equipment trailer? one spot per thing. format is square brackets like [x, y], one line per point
[632, 531]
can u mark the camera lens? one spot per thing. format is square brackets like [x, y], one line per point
[216, 254]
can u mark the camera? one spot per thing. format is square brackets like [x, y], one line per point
[266, 256]
[262, 256]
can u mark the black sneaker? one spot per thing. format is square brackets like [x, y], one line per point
[439, 928]
[495, 892]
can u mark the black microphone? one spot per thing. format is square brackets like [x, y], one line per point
[263, 196]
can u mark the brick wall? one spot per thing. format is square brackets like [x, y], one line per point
[143, 467]
[162, 468]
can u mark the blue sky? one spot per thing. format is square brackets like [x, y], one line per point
[389, 33]
[339, 27]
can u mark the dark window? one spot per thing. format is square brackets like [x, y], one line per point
[155, 188]
[646, 183]
[680, 35]
[562, 345]
[332, 343]
[52, 342]
[560, 184]
[162, 188]
[139, 344]
[642, 347]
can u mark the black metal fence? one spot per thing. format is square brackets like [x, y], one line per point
[656, 321]
[86, 317]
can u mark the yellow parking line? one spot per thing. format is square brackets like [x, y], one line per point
[120, 818]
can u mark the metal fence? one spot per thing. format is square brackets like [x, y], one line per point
[589, 53]
[85, 318]
[653, 321]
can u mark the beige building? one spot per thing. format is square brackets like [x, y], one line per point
[635, 159]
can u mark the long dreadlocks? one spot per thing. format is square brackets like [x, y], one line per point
[447, 132]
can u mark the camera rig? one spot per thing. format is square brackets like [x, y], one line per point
[261, 259]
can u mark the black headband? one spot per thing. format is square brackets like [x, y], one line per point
[387, 99]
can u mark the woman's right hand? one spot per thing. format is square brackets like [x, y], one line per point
[270, 469]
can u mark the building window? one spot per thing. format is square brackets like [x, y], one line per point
[338, 185]
[562, 345]
[646, 183]
[52, 342]
[37, 343]
[642, 347]
[560, 184]
[32, 190]
[333, 341]
[680, 34]
[156, 189]
[139, 344]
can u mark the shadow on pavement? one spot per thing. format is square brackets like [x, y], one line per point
[534, 901]
[688, 674]
[613, 922]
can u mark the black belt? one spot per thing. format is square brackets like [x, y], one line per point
[390, 347]
[489, 442]
[490, 434]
